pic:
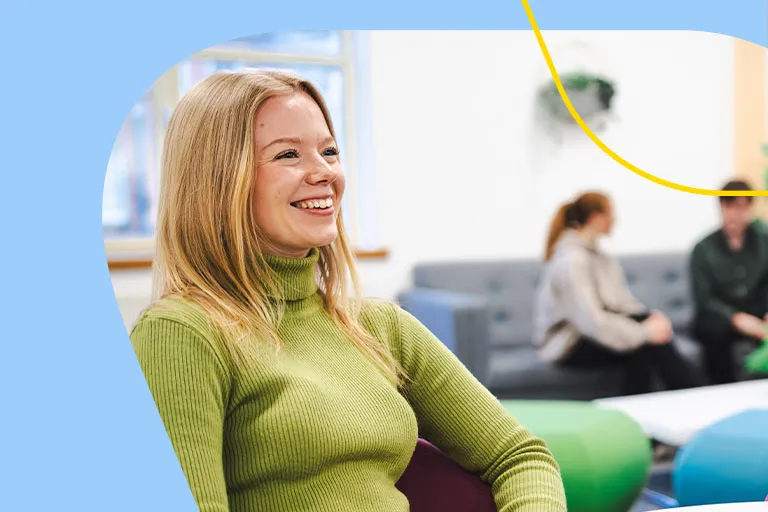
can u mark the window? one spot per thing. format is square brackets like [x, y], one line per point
[332, 60]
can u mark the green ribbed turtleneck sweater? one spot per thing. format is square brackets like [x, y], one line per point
[315, 426]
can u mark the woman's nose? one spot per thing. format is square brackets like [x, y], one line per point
[321, 171]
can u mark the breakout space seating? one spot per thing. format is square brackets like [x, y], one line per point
[603, 455]
[726, 462]
[483, 311]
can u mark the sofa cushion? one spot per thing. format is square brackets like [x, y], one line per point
[519, 373]
[661, 282]
[690, 349]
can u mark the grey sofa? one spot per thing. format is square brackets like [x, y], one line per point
[483, 311]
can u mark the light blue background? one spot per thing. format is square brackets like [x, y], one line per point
[78, 428]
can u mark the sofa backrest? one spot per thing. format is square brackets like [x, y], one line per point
[509, 286]
[661, 281]
[658, 280]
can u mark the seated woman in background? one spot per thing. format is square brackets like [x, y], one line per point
[585, 312]
[280, 391]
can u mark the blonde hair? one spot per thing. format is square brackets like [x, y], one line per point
[209, 248]
[574, 215]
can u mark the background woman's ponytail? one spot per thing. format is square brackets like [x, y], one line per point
[556, 230]
[574, 215]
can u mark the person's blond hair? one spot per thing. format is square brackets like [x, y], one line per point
[208, 246]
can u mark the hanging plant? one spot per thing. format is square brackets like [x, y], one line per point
[591, 95]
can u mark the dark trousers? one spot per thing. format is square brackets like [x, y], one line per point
[639, 365]
[718, 338]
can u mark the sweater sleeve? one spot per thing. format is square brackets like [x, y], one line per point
[628, 303]
[190, 387]
[704, 297]
[761, 228]
[582, 307]
[458, 415]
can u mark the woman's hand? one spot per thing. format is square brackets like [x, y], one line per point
[749, 325]
[660, 328]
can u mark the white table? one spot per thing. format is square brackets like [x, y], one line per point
[674, 417]
[728, 507]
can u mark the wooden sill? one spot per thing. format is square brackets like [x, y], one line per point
[138, 264]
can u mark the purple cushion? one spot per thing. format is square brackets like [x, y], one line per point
[433, 482]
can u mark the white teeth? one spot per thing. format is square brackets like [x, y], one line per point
[315, 203]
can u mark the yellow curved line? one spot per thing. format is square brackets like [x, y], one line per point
[606, 149]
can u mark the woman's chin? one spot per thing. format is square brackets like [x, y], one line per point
[325, 239]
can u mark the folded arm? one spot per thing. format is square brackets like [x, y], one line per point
[458, 415]
[583, 308]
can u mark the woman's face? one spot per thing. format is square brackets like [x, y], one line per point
[607, 220]
[299, 182]
[602, 222]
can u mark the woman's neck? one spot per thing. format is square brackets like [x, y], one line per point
[296, 276]
[588, 235]
[284, 253]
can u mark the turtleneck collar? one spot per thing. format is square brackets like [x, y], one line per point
[297, 276]
[571, 237]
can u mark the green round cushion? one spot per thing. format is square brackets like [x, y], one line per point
[757, 361]
[604, 455]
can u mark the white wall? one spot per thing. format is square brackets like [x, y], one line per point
[460, 173]
[133, 290]
[453, 122]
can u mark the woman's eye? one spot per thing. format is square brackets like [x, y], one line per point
[287, 154]
[331, 152]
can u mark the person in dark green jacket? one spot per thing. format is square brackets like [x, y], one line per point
[729, 275]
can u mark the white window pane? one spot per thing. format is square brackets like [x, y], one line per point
[131, 176]
[194, 70]
[328, 79]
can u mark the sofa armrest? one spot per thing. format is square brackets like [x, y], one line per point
[459, 320]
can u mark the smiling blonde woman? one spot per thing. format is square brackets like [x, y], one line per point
[279, 390]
